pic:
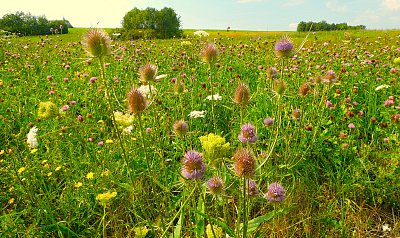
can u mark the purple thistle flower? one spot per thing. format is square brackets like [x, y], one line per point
[268, 121]
[248, 134]
[252, 189]
[215, 185]
[193, 166]
[276, 193]
[283, 48]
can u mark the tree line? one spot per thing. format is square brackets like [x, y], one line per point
[151, 23]
[26, 24]
[324, 26]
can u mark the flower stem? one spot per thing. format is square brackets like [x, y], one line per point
[142, 138]
[245, 218]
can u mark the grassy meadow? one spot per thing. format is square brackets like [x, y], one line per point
[74, 162]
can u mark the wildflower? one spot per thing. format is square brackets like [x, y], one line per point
[214, 97]
[385, 227]
[109, 141]
[196, 114]
[328, 103]
[268, 121]
[284, 47]
[209, 53]
[276, 193]
[123, 119]
[47, 110]
[279, 87]
[271, 72]
[389, 103]
[141, 232]
[32, 141]
[128, 130]
[385, 140]
[90, 175]
[180, 127]
[193, 166]
[97, 43]
[252, 189]
[214, 147]
[92, 79]
[351, 126]
[242, 95]
[64, 108]
[104, 198]
[304, 89]
[383, 86]
[248, 133]
[244, 163]
[179, 87]
[145, 90]
[296, 114]
[136, 102]
[21, 170]
[330, 77]
[200, 33]
[215, 185]
[147, 73]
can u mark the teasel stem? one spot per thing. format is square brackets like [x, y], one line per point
[245, 218]
[212, 95]
[139, 116]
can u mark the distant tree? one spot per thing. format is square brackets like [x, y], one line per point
[324, 26]
[26, 24]
[151, 23]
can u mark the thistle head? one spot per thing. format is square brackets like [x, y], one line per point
[276, 193]
[248, 134]
[136, 102]
[244, 164]
[271, 72]
[242, 95]
[279, 87]
[193, 166]
[180, 127]
[284, 48]
[97, 43]
[209, 53]
[215, 185]
[147, 73]
[179, 87]
[330, 77]
[252, 189]
[304, 89]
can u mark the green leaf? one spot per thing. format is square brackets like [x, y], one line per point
[178, 228]
[200, 220]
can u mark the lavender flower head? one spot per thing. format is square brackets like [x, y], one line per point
[248, 134]
[268, 121]
[215, 185]
[276, 193]
[283, 48]
[193, 166]
[252, 189]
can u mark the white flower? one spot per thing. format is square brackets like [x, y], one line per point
[200, 33]
[196, 114]
[214, 97]
[32, 141]
[385, 227]
[128, 130]
[145, 90]
[382, 87]
[160, 77]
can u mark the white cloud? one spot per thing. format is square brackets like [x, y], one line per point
[393, 5]
[335, 6]
[293, 26]
[249, 1]
[292, 3]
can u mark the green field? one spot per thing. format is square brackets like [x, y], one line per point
[331, 138]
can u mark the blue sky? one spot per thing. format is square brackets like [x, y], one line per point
[269, 15]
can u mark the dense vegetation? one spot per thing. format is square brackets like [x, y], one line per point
[24, 24]
[151, 23]
[324, 122]
[324, 26]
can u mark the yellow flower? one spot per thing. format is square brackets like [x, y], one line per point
[106, 173]
[109, 141]
[11, 201]
[78, 185]
[104, 198]
[141, 232]
[2, 152]
[90, 175]
[49, 174]
[34, 151]
[22, 169]
[58, 168]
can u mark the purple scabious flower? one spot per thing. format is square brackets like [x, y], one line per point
[283, 48]
[215, 185]
[268, 121]
[193, 166]
[248, 134]
[276, 193]
[180, 127]
[252, 189]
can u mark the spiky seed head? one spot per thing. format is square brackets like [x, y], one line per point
[330, 77]
[252, 189]
[242, 95]
[136, 102]
[284, 48]
[279, 87]
[215, 185]
[97, 43]
[271, 72]
[296, 114]
[276, 193]
[304, 89]
[244, 164]
[147, 73]
[193, 166]
[180, 127]
[179, 87]
[209, 53]
[47, 110]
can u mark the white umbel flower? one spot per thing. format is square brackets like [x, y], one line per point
[196, 114]
[32, 141]
[215, 97]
